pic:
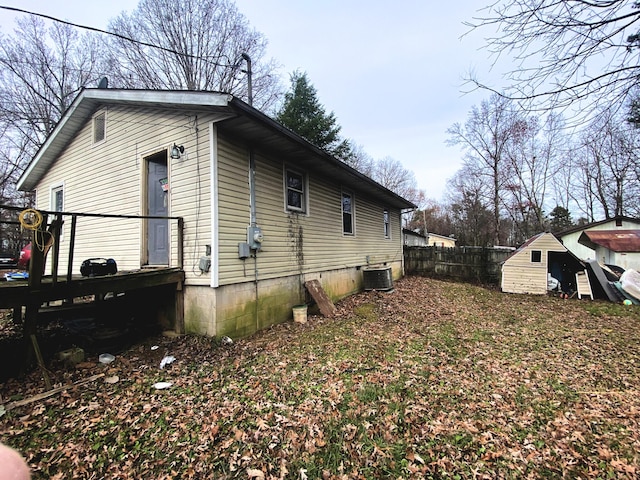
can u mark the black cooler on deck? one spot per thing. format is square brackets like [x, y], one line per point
[95, 267]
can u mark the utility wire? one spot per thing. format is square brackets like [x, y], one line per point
[123, 37]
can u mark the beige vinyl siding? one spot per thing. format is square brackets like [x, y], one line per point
[296, 243]
[233, 207]
[106, 178]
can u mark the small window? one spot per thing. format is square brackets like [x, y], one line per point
[387, 229]
[99, 127]
[347, 213]
[536, 256]
[57, 201]
[618, 222]
[57, 198]
[295, 191]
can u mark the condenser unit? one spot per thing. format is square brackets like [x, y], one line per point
[377, 278]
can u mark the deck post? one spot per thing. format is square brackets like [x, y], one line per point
[179, 309]
[180, 242]
[36, 268]
[72, 245]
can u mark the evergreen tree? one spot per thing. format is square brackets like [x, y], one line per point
[306, 116]
[560, 219]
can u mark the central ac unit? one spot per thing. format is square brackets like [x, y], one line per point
[377, 278]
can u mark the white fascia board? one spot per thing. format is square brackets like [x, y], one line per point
[159, 97]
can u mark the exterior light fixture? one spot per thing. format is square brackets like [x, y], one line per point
[177, 151]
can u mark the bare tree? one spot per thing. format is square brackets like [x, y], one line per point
[393, 175]
[568, 50]
[485, 139]
[204, 45]
[609, 165]
[434, 217]
[471, 216]
[43, 69]
[360, 159]
[534, 155]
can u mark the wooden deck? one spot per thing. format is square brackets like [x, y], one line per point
[157, 289]
[18, 292]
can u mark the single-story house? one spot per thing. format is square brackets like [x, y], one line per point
[614, 247]
[436, 240]
[570, 237]
[413, 239]
[264, 210]
[528, 268]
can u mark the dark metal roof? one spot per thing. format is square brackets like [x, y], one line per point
[238, 119]
[614, 240]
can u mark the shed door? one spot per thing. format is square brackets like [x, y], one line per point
[157, 205]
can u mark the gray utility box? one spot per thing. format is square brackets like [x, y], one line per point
[254, 238]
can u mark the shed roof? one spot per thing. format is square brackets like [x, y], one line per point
[240, 120]
[614, 240]
[558, 246]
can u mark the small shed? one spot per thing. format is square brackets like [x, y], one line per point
[527, 269]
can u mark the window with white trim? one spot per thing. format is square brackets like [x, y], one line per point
[387, 226]
[56, 201]
[295, 191]
[57, 198]
[347, 213]
[99, 127]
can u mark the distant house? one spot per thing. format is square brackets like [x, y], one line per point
[440, 241]
[614, 247]
[527, 269]
[413, 239]
[264, 210]
[585, 250]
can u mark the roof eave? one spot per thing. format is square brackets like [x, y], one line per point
[89, 100]
[394, 199]
[85, 104]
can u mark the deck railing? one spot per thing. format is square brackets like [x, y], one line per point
[47, 234]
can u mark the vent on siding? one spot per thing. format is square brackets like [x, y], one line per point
[377, 278]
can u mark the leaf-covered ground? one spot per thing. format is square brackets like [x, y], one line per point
[433, 380]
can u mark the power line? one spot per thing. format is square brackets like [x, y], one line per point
[122, 37]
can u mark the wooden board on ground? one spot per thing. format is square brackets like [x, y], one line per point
[327, 308]
[583, 284]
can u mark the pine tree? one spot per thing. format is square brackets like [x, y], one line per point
[560, 219]
[306, 116]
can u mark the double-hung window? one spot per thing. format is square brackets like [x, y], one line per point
[387, 227]
[295, 186]
[347, 213]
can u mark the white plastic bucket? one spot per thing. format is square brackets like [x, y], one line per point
[300, 313]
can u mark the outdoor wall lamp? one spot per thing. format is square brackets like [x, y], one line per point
[177, 151]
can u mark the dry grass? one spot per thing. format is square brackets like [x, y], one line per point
[434, 380]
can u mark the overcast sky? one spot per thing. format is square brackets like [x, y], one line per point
[391, 71]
